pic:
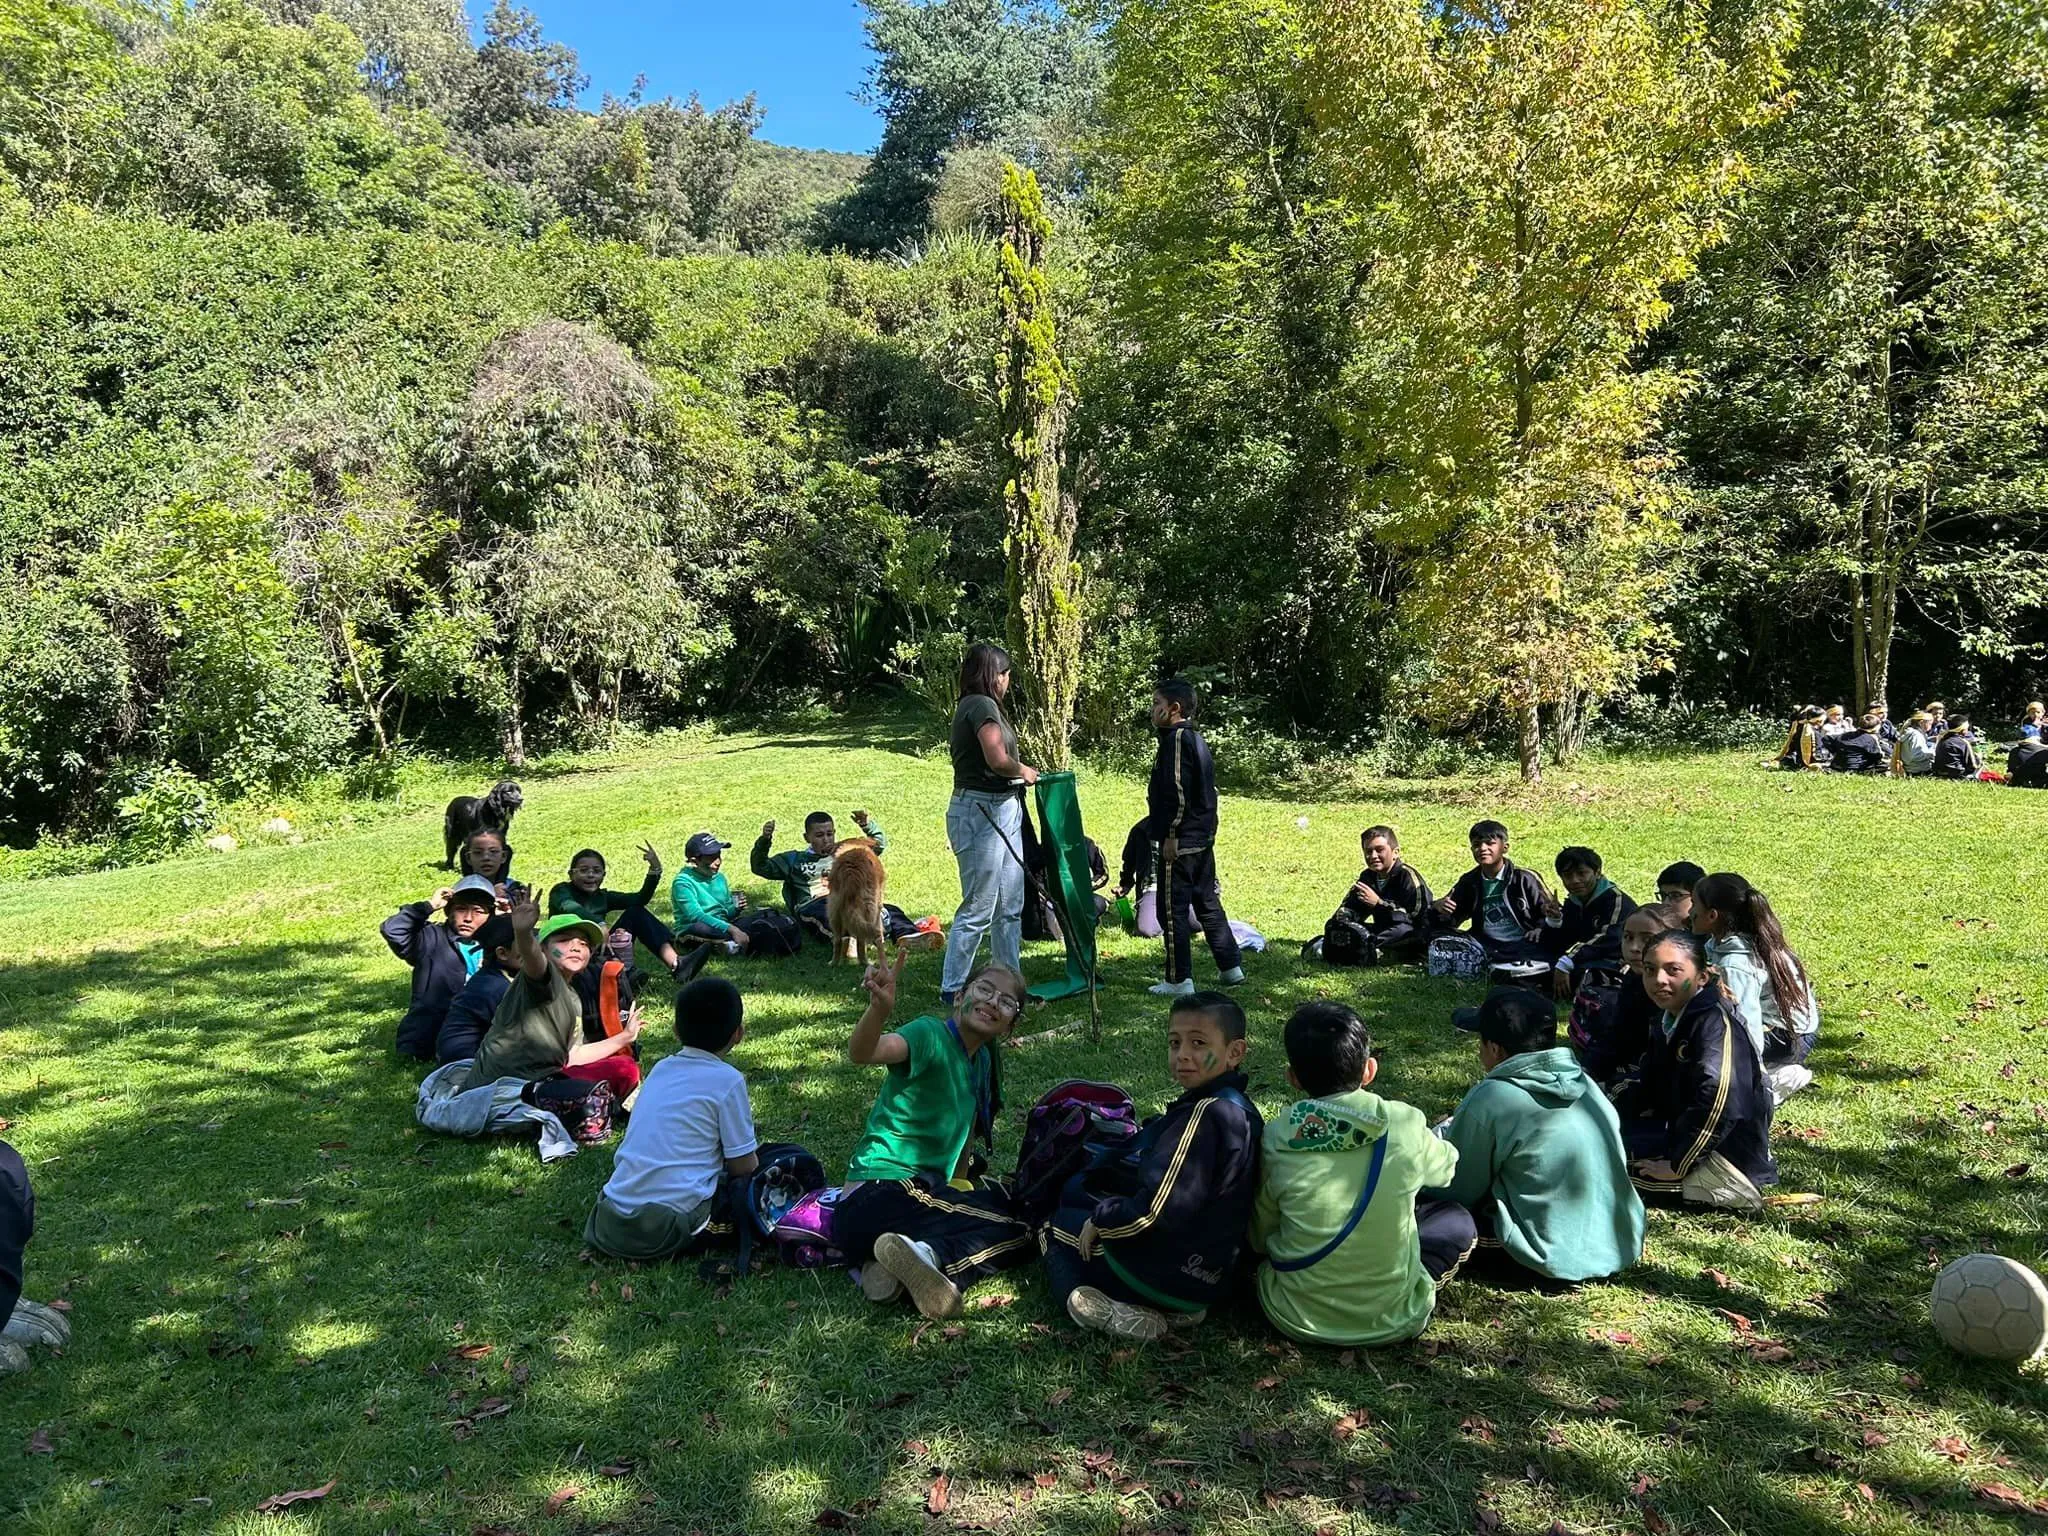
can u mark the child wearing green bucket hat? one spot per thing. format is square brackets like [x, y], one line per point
[538, 1030]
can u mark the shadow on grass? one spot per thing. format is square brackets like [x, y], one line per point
[225, 1145]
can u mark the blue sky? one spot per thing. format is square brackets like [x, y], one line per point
[803, 59]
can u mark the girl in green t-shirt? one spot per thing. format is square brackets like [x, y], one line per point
[900, 1217]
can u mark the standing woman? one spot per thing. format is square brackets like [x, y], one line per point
[985, 820]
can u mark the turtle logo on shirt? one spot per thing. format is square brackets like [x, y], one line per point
[1312, 1128]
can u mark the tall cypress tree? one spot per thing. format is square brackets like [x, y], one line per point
[1034, 395]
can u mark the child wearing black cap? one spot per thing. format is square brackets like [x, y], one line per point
[708, 908]
[1541, 1162]
[692, 1130]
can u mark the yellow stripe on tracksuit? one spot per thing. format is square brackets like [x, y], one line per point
[1159, 1196]
[951, 1208]
[1706, 1135]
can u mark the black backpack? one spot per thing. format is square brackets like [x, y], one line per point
[1071, 1125]
[584, 1108]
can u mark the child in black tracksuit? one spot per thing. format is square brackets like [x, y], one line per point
[1504, 905]
[1697, 1119]
[1180, 807]
[1384, 917]
[1586, 939]
[1157, 1230]
[443, 956]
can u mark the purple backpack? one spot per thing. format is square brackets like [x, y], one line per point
[1071, 1125]
[803, 1234]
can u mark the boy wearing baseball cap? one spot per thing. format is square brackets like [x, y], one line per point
[706, 906]
[442, 955]
[1541, 1163]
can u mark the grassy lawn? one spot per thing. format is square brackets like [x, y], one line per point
[278, 1280]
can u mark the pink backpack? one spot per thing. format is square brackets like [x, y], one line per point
[803, 1233]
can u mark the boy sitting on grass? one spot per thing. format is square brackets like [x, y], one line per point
[470, 1014]
[805, 875]
[584, 895]
[1675, 887]
[1541, 1164]
[443, 955]
[1155, 1232]
[1587, 938]
[1384, 915]
[1502, 904]
[707, 907]
[692, 1130]
[537, 1031]
[1352, 1255]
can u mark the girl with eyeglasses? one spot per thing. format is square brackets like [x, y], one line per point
[901, 1216]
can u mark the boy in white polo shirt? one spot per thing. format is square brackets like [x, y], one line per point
[691, 1131]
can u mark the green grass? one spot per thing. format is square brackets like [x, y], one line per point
[272, 1268]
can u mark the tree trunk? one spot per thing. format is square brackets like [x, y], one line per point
[514, 725]
[1568, 721]
[1044, 582]
[1531, 740]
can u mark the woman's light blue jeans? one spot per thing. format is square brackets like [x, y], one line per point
[991, 881]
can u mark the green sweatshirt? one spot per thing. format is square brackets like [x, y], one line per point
[598, 906]
[1373, 1289]
[701, 898]
[803, 873]
[1540, 1157]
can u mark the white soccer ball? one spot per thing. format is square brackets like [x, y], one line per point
[1987, 1305]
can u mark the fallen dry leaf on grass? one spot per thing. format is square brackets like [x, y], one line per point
[1477, 1428]
[1954, 1447]
[471, 1351]
[277, 1501]
[560, 1497]
[2005, 1497]
[39, 1444]
[1721, 1281]
[1348, 1426]
[1057, 1396]
[939, 1497]
[1265, 1383]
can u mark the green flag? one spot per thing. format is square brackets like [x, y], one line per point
[1069, 882]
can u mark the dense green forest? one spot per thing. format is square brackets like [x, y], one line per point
[1486, 371]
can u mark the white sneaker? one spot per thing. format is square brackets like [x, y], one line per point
[1717, 1182]
[34, 1323]
[877, 1284]
[1233, 976]
[1786, 1079]
[13, 1357]
[1091, 1309]
[918, 1268]
[1174, 988]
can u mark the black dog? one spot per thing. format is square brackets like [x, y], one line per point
[473, 813]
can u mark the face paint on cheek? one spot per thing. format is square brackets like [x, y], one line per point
[1209, 1060]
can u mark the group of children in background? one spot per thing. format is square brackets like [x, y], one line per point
[464, 967]
[1928, 745]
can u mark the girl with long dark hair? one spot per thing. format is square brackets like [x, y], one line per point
[1764, 978]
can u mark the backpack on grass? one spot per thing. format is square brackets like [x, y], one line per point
[1071, 1125]
[584, 1108]
[770, 935]
[758, 1204]
[1456, 955]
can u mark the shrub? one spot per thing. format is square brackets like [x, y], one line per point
[164, 810]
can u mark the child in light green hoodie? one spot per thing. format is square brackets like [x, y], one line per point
[1351, 1255]
[1541, 1164]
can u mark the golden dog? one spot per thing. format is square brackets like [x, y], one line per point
[853, 901]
